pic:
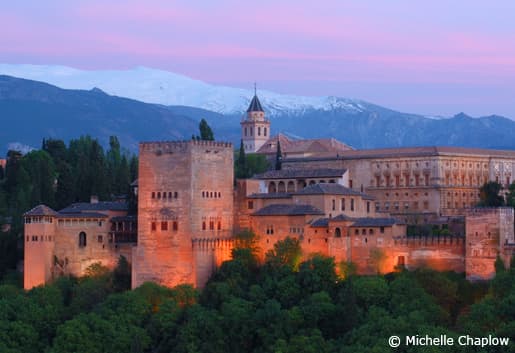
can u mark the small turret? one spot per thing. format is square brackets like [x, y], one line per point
[255, 128]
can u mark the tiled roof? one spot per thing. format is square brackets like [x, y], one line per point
[301, 173]
[41, 210]
[342, 217]
[270, 196]
[98, 206]
[320, 222]
[288, 210]
[411, 152]
[131, 218]
[327, 145]
[82, 215]
[374, 222]
[330, 189]
[255, 105]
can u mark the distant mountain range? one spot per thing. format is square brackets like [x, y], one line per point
[31, 110]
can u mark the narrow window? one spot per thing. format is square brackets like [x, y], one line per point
[352, 204]
[211, 225]
[82, 240]
[250, 205]
[175, 226]
[153, 194]
[219, 227]
[259, 130]
[334, 205]
[203, 225]
[264, 131]
[164, 225]
[153, 226]
[100, 239]
[368, 206]
[176, 194]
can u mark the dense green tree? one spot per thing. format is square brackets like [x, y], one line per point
[241, 169]
[286, 252]
[205, 131]
[278, 156]
[489, 195]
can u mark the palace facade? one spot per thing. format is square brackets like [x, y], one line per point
[353, 205]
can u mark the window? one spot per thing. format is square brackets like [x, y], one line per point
[397, 180]
[245, 131]
[158, 194]
[426, 179]
[337, 233]
[176, 194]
[371, 231]
[204, 225]
[400, 261]
[153, 226]
[356, 231]
[169, 194]
[153, 194]
[378, 206]
[381, 230]
[364, 231]
[259, 130]
[387, 180]
[164, 225]
[203, 194]
[250, 205]
[417, 180]
[264, 131]
[175, 226]
[219, 226]
[352, 204]
[334, 204]
[378, 181]
[211, 225]
[368, 206]
[82, 240]
[343, 204]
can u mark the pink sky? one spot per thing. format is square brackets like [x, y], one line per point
[437, 57]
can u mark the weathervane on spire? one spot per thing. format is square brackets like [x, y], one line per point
[255, 89]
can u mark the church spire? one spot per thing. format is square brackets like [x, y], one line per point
[255, 104]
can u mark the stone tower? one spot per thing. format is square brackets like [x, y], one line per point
[185, 199]
[39, 246]
[255, 127]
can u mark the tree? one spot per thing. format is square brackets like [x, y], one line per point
[510, 196]
[489, 195]
[286, 252]
[241, 163]
[499, 265]
[278, 156]
[206, 133]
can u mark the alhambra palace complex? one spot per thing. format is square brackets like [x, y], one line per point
[353, 205]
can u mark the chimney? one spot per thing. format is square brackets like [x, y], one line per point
[94, 199]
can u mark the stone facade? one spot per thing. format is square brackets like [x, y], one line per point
[185, 203]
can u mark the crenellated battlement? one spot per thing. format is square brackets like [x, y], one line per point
[180, 146]
[428, 241]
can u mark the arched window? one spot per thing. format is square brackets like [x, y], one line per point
[271, 188]
[264, 131]
[281, 187]
[259, 130]
[291, 186]
[203, 225]
[219, 227]
[82, 240]
[158, 194]
[337, 233]
[245, 131]
[312, 182]
[176, 194]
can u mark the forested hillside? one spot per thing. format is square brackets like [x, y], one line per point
[282, 305]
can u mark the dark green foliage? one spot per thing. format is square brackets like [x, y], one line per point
[246, 307]
[489, 195]
[57, 176]
[122, 275]
[247, 165]
[278, 156]
[205, 131]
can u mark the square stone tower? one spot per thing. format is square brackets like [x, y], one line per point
[185, 193]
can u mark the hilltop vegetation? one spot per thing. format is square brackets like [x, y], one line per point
[57, 175]
[282, 305]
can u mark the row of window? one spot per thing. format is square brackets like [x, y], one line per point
[78, 222]
[39, 219]
[296, 230]
[406, 181]
[212, 225]
[405, 194]
[164, 226]
[39, 238]
[250, 131]
[363, 231]
[407, 165]
[289, 186]
[397, 206]
[164, 195]
[211, 194]
[343, 205]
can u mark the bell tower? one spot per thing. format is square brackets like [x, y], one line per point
[255, 127]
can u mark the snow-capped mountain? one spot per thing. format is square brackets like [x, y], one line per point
[167, 88]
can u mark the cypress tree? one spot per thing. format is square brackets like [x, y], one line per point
[241, 163]
[278, 156]
[205, 131]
